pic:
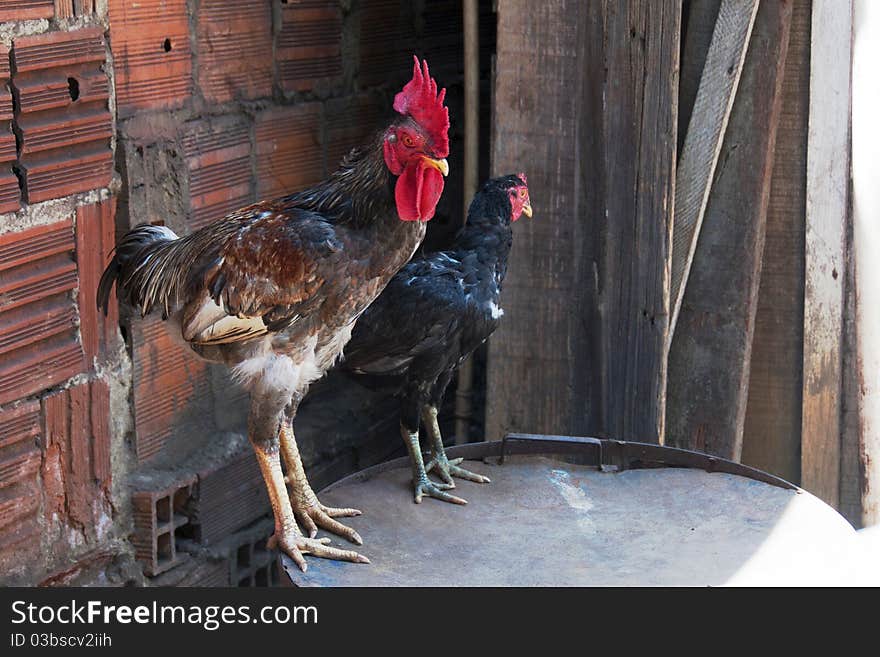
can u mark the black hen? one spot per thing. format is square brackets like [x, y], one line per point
[432, 315]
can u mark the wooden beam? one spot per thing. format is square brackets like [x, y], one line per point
[586, 99]
[827, 207]
[535, 126]
[865, 471]
[772, 433]
[702, 144]
[640, 114]
[471, 22]
[710, 353]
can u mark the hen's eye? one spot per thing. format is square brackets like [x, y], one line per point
[522, 193]
[408, 141]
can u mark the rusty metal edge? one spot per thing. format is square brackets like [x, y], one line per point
[607, 455]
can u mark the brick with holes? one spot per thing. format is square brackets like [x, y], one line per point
[61, 113]
[153, 59]
[158, 516]
[10, 194]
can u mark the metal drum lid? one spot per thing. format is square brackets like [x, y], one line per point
[546, 521]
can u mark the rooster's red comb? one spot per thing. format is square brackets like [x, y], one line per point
[420, 100]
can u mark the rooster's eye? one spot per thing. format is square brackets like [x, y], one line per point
[408, 141]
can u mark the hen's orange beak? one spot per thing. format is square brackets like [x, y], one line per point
[441, 165]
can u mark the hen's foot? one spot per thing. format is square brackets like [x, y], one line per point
[295, 545]
[446, 470]
[425, 486]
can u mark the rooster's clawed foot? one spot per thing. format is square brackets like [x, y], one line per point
[314, 515]
[295, 545]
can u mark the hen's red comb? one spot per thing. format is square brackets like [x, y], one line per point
[420, 100]
[522, 177]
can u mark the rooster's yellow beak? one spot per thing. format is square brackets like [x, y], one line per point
[527, 210]
[441, 165]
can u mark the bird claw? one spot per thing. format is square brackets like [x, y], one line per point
[314, 516]
[431, 489]
[296, 545]
[446, 470]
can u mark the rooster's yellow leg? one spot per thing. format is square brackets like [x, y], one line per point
[287, 535]
[444, 468]
[306, 507]
[421, 483]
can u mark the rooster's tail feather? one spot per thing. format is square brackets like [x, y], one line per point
[136, 268]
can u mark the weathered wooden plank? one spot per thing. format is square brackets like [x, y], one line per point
[535, 127]
[640, 114]
[471, 20]
[827, 208]
[698, 18]
[710, 353]
[589, 97]
[702, 144]
[772, 434]
[863, 474]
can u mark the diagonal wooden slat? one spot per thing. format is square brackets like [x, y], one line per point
[709, 356]
[697, 36]
[705, 135]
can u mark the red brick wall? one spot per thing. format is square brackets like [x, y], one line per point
[117, 118]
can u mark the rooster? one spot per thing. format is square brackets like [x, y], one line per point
[432, 315]
[273, 290]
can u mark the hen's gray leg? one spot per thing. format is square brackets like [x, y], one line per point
[421, 483]
[445, 468]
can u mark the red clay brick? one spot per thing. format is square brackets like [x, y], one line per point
[10, 193]
[166, 381]
[288, 149]
[19, 10]
[235, 50]
[95, 235]
[195, 572]
[62, 113]
[100, 412]
[309, 45]
[152, 58]
[19, 464]
[157, 517]
[349, 125]
[76, 462]
[387, 42]
[218, 158]
[251, 562]
[229, 497]
[38, 336]
[70, 8]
